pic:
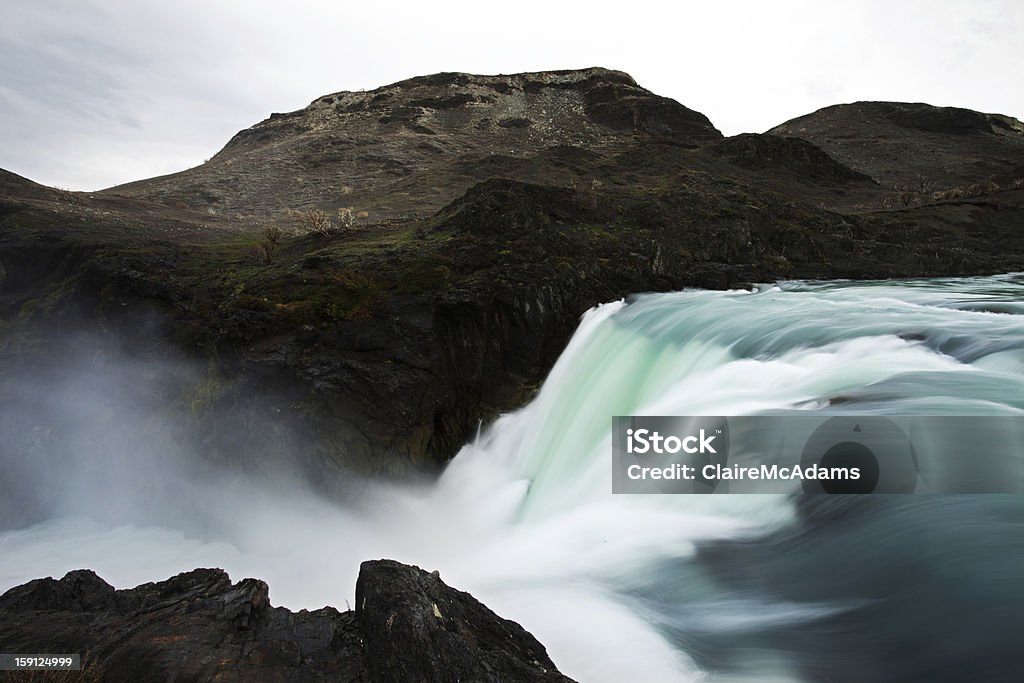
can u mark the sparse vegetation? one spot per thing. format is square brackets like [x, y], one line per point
[268, 245]
[272, 234]
[319, 222]
[345, 217]
[923, 194]
[314, 221]
[265, 252]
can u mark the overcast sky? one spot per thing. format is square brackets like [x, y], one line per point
[99, 92]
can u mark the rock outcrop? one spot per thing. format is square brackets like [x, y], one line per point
[409, 627]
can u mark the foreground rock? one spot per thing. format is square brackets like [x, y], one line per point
[408, 626]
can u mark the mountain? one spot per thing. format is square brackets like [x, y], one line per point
[358, 284]
[411, 147]
[915, 146]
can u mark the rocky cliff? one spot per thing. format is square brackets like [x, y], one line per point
[381, 271]
[408, 626]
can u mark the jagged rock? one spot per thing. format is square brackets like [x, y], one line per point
[416, 628]
[198, 626]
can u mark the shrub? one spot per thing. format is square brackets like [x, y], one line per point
[315, 221]
[345, 217]
[272, 234]
[265, 251]
[265, 248]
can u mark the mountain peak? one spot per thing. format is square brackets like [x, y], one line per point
[559, 77]
[430, 136]
[912, 144]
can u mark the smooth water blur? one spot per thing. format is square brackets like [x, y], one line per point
[664, 588]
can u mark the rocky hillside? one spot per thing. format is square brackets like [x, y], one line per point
[916, 147]
[479, 217]
[407, 149]
[408, 626]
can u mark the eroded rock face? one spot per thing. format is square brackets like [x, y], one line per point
[198, 626]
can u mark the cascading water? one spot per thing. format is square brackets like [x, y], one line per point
[665, 588]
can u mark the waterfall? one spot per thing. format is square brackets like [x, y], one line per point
[663, 587]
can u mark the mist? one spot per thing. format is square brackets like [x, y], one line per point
[107, 432]
[108, 465]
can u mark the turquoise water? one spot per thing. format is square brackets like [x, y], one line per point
[665, 588]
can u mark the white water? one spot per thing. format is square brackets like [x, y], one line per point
[523, 518]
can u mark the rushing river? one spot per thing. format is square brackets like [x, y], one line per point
[664, 587]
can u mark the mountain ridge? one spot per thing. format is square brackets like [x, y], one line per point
[378, 143]
[952, 145]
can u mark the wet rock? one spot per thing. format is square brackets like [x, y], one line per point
[198, 626]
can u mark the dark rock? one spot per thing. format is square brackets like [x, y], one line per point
[787, 155]
[198, 626]
[515, 122]
[627, 108]
[416, 628]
